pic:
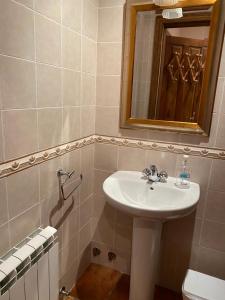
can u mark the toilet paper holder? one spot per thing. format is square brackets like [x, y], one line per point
[63, 177]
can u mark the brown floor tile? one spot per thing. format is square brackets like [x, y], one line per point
[97, 283]
[121, 291]
[102, 283]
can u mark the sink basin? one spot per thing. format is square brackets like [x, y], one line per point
[150, 205]
[129, 192]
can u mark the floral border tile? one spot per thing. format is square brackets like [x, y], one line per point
[19, 164]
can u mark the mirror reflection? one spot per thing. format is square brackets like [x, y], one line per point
[169, 86]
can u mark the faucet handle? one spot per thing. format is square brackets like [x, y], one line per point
[146, 171]
[153, 170]
[163, 175]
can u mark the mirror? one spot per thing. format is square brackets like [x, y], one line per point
[170, 66]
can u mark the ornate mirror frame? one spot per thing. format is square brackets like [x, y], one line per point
[216, 36]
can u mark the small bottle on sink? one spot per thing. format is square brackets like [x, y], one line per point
[183, 178]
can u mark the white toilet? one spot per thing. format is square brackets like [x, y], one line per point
[198, 286]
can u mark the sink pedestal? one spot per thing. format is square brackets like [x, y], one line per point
[145, 258]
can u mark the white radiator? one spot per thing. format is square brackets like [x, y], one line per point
[30, 271]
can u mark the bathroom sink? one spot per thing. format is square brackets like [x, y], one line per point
[150, 204]
[129, 192]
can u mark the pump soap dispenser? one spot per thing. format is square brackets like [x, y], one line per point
[183, 177]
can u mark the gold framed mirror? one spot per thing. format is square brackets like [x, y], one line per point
[170, 66]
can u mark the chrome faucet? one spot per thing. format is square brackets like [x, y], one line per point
[153, 175]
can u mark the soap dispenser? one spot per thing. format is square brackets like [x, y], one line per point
[183, 178]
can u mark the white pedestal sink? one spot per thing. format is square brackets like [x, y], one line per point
[150, 205]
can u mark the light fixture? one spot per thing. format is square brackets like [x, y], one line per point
[165, 2]
[173, 13]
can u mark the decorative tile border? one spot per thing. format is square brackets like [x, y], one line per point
[164, 147]
[9, 168]
[20, 164]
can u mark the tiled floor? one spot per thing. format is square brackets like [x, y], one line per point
[101, 283]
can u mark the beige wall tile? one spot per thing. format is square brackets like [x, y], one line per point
[131, 159]
[23, 191]
[48, 41]
[69, 254]
[108, 91]
[48, 178]
[71, 124]
[70, 277]
[105, 227]
[28, 3]
[95, 2]
[71, 50]
[3, 203]
[4, 233]
[87, 158]
[110, 3]
[50, 127]
[122, 262]
[88, 89]
[220, 137]
[222, 94]
[213, 236]
[50, 8]
[109, 59]
[99, 177]
[123, 238]
[72, 13]
[48, 86]
[87, 165]
[89, 56]
[71, 227]
[163, 160]
[217, 176]
[219, 95]
[72, 161]
[18, 226]
[123, 219]
[99, 203]
[90, 20]
[107, 120]
[85, 237]
[86, 211]
[222, 63]
[130, 133]
[17, 81]
[16, 30]
[87, 120]
[110, 24]
[106, 157]
[23, 140]
[71, 88]
[211, 262]
[51, 212]
[215, 206]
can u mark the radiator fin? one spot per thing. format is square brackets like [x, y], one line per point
[54, 272]
[17, 290]
[43, 278]
[31, 284]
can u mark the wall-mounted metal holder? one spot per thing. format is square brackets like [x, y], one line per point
[67, 175]
[111, 256]
[96, 251]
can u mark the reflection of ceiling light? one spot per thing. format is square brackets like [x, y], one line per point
[173, 13]
[165, 2]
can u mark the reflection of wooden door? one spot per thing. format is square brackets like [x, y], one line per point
[182, 78]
